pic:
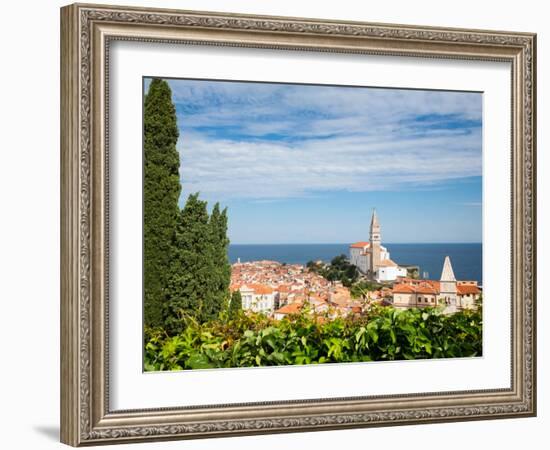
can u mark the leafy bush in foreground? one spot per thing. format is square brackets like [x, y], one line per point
[255, 340]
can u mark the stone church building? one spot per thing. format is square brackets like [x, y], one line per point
[372, 258]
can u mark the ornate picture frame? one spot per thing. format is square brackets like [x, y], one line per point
[87, 31]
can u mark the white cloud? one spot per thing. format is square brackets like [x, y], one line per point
[328, 139]
[240, 169]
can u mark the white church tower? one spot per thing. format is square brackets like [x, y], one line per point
[375, 241]
[372, 258]
[447, 283]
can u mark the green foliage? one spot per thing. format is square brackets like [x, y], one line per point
[413, 272]
[200, 272]
[361, 289]
[160, 195]
[254, 340]
[339, 269]
[236, 305]
[312, 265]
[190, 284]
[221, 271]
[186, 267]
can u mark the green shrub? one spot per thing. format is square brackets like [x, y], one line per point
[249, 340]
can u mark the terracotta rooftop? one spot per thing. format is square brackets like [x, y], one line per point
[261, 289]
[402, 288]
[466, 289]
[292, 308]
[360, 244]
[316, 300]
[424, 287]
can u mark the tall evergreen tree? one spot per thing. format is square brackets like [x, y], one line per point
[160, 195]
[200, 272]
[222, 269]
[191, 283]
[236, 304]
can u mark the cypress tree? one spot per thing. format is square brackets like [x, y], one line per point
[236, 304]
[190, 284]
[200, 272]
[221, 272]
[160, 195]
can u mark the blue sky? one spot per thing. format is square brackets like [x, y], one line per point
[306, 164]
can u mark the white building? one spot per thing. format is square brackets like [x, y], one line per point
[372, 258]
[388, 270]
[453, 295]
[359, 255]
[259, 298]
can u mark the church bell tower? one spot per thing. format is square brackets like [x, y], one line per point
[447, 283]
[375, 242]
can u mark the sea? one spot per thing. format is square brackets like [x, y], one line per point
[466, 259]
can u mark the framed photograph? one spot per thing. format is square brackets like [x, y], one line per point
[278, 224]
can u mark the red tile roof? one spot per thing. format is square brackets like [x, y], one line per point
[283, 288]
[403, 289]
[360, 245]
[406, 280]
[261, 289]
[317, 301]
[467, 289]
[292, 308]
[424, 287]
[414, 282]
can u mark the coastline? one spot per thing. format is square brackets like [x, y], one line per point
[467, 257]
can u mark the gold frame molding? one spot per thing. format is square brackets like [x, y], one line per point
[86, 31]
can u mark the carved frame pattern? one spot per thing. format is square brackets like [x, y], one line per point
[85, 416]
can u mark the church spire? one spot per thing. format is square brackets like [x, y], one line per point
[447, 287]
[447, 273]
[374, 228]
[374, 220]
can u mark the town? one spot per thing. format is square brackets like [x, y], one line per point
[278, 289]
